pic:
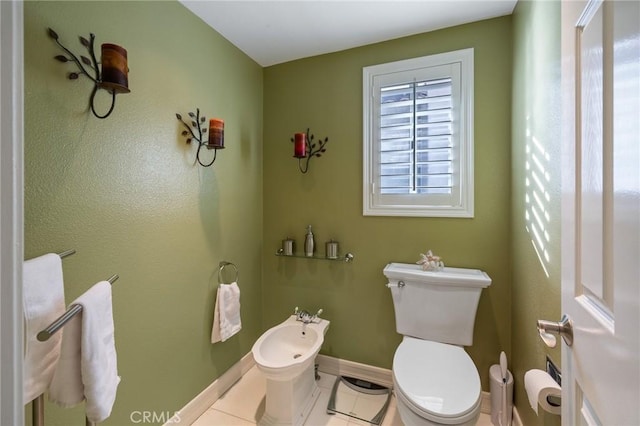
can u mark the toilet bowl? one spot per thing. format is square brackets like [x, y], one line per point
[435, 381]
[285, 355]
[435, 384]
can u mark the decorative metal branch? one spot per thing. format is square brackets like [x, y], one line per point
[312, 149]
[197, 125]
[91, 63]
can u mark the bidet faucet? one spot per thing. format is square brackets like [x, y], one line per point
[305, 316]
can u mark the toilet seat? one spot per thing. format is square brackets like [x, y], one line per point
[437, 381]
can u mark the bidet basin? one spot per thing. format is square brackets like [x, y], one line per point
[286, 350]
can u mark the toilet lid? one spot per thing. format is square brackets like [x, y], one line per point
[438, 378]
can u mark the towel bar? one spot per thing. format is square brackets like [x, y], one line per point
[66, 253]
[45, 334]
[224, 264]
[37, 408]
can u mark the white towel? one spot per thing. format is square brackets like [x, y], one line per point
[88, 364]
[226, 316]
[43, 303]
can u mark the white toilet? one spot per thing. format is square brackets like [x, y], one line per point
[435, 381]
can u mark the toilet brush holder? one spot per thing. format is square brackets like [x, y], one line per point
[496, 386]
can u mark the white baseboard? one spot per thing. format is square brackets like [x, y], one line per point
[485, 403]
[197, 406]
[326, 364]
[384, 377]
[485, 408]
[381, 376]
[516, 420]
[343, 367]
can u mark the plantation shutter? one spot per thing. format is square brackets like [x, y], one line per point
[418, 136]
[416, 150]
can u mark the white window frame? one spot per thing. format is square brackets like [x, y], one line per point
[460, 204]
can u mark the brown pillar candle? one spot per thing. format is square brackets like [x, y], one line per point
[216, 134]
[115, 70]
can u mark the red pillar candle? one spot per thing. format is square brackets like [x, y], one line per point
[300, 145]
[216, 134]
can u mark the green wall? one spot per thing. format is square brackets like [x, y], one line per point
[325, 94]
[125, 193]
[535, 131]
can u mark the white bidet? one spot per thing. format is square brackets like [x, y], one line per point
[285, 354]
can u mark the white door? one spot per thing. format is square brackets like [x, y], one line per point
[11, 220]
[601, 211]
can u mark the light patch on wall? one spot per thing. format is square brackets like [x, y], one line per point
[537, 198]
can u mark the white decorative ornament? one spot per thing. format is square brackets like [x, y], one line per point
[430, 262]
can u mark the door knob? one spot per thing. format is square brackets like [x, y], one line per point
[548, 330]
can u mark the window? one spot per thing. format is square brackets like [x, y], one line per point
[418, 137]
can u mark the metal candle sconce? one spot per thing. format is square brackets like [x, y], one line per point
[112, 76]
[216, 134]
[304, 147]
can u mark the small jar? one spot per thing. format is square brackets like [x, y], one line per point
[331, 249]
[288, 247]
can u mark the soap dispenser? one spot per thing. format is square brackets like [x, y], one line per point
[309, 243]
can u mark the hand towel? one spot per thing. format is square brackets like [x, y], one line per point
[226, 316]
[88, 364]
[43, 303]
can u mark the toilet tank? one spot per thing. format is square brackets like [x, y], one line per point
[439, 306]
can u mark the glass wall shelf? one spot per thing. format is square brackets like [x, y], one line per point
[346, 258]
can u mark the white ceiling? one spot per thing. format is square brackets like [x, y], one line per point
[272, 32]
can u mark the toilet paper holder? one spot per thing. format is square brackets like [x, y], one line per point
[548, 329]
[554, 372]
[554, 400]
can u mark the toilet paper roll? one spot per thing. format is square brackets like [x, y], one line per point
[540, 385]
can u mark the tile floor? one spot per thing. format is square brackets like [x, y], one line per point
[244, 404]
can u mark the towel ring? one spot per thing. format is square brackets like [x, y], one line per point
[224, 264]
